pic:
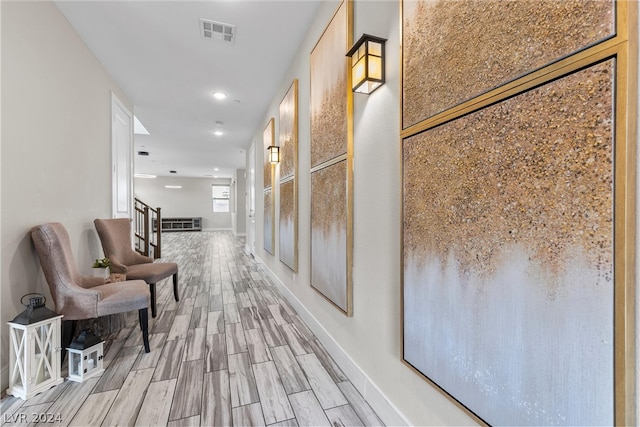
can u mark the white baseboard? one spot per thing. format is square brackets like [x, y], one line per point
[383, 407]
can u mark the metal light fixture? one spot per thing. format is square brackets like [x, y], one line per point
[273, 153]
[34, 355]
[85, 357]
[367, 64]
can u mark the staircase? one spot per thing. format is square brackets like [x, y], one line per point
[147, 228]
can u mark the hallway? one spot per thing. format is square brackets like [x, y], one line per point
[232, 351]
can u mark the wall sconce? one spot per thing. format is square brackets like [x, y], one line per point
[367, 64]
[274, 154]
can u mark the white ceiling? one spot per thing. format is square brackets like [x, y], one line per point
[154, 51]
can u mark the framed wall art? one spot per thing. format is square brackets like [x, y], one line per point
[268, 137]
[517, 300]
[288, 139]
[331, 112]
[480, 48]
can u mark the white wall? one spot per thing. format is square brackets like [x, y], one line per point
[56, 146]
[371, 338]
[192, 200]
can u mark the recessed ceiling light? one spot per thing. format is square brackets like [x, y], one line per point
[144, 175]
[218, 133]
[219, 123]
[215, 176]
[173, 186]
[219, 95]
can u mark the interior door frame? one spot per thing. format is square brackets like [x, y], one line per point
[121, 161]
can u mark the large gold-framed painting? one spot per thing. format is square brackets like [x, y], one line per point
[516, 300]
[485, 43]
[268, 136]
[331, 109]
[329, 234]
[288, 138]
[268, 223]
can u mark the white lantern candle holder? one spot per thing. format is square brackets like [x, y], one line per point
[34, 355]
[86, 354]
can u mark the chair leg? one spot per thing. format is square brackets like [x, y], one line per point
[143, 315]
[152, 291]
[68, 328]
[175, 287]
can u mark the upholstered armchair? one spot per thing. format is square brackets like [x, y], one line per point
[80, 297]
[115, 235]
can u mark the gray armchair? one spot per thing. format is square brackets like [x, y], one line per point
[115, 235]
[80, 297]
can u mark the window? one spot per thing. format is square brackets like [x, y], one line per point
[220, 195]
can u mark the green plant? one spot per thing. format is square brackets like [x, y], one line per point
[101, 263]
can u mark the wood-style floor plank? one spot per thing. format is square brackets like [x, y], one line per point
[124, 410]
[94, 409]
[249, 415]
[293, 378]
[326, 390]
[359, 405]
[308, 410]
[187, 400]
[241, 380]
[216, 398]
[343, 416]
[273, 398]
[154, 410]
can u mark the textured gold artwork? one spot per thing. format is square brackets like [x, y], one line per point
[508, 254]
[454, 50]
[288, 224]
[267, 140]
[288, 132]
[269, 225]
[329, 95]
[331, 110]
[329, 233]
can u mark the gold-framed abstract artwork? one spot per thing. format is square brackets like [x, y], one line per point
[331, 109]
[268, 136]
[288, 193]
[480, 48]
[517, 299]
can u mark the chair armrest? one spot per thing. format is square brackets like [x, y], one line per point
[140, 259]
[116, 266]
[89, 282]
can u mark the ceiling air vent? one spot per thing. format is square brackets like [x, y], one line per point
[213, 30]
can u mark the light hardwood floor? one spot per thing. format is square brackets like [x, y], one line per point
[231, 352]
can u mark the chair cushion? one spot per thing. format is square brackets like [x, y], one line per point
[120, 297]
[152, 273]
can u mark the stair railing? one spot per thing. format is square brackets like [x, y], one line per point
[148, 237]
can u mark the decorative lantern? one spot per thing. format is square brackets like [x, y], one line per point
[85, 357]
[34, 355]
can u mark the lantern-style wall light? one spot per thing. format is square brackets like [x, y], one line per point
[34, 355]
[274, 154]
[85, 357]
[367, 64]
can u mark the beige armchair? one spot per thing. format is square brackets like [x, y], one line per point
[115, 235]
[80, 297]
